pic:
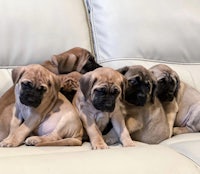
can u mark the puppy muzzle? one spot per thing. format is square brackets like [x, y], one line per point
[138, 99]
[90, 66]
[32, 99]
[104, 107]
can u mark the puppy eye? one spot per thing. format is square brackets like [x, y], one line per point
[147, 85]
[42, 89]
[101, 90]
[27, 84]
[115, 91]
[133, 82]
[49, 83]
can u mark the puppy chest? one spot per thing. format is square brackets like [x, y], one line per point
[102, 119]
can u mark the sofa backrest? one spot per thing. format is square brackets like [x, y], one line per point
[156, 30]
[148, 32]
[33, 30]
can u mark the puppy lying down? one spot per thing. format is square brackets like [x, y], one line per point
[41, 110]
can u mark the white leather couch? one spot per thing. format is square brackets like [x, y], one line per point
[119, 33]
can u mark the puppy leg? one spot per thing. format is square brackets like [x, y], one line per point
[95, 135]
[121, 129]
[111, 137]
[192, 121]
[133, 125]
[171, 119]
[52, 140]
[18, 132]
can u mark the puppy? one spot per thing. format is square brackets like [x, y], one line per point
[6, 104]
[99, 99]
[180, 100]
[168, 84]
[41, 110]
[75, 59]
[145, 117]
[69, 84]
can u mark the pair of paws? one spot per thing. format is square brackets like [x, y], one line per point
[13, 142]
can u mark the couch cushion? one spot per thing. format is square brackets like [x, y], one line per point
[138, 32]
[160, 30]
[32, 31]
[186, 144]
[152, 159]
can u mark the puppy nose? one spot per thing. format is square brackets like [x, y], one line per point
[108, 105]
[141, 96]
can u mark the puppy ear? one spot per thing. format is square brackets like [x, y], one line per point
[124, 85]
[17, 74]
[86, 84]
[123, 70]
[153, 91]
[57, 82]
[177, 85]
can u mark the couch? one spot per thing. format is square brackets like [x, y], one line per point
[118, 33]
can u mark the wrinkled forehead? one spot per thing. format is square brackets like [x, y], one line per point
[109, 77]
[36, 75]
[140, 72]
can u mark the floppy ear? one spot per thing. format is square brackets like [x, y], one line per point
[17, 74]
[153, 92]
[177, 85]
[86, 84]
[124, 85]
[123, 70]
[57, 82]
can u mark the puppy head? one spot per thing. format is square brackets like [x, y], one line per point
[33, 83]
[141, 85]
[103, 87]
[75, 59]
[69, 84]
[168, 82]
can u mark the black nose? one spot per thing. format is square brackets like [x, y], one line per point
[141, 98]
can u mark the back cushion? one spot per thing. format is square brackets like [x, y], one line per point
[33, 30]
[147, 32]
[154, 30]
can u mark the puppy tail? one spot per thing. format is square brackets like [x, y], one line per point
[62, 142]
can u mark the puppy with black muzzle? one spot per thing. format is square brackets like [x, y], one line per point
[41, 110]
[98, 100]
[180, 100]
[76, 59]
[168, 84]
[145, 117]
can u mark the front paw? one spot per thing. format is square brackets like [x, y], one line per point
[32, 141]
[99, 145]
[110, 140]
[9, 143]
[128, 143]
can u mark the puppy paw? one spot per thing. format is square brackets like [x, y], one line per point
[96, 146]
[32, 141]
[110, 140]
[128, 143]
[7, 143]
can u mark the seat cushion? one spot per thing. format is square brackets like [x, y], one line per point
[186, 144]
[151, 159]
